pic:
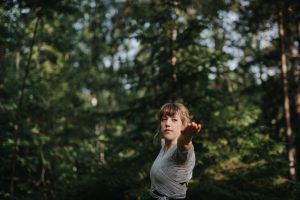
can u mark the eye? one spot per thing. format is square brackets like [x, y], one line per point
[164, 118]
[174, 120]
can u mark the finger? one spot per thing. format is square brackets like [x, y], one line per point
[194, 124]
[199, 127]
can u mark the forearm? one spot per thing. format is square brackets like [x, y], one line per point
[184, 142]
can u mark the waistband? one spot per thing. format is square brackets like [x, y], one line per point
[157, 195]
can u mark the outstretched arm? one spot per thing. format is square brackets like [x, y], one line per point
[184, 142]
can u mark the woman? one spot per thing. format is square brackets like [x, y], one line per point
[173, 167]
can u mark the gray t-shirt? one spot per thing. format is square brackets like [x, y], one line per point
[171, 172]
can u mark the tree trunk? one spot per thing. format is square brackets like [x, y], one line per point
[296, 113]
[295, 56]
[172, 49]
[290, 141]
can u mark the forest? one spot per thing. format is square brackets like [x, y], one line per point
[81, 82]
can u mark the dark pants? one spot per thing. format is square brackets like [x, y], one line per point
[152, 198]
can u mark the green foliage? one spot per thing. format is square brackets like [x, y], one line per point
[239, 189]
[83, 125]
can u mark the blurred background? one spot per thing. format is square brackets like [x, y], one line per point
[81, 82]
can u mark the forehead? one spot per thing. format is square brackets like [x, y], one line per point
[176, 115]
[168, 112]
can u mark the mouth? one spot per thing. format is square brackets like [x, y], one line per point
[168, 130]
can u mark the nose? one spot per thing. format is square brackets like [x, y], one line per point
[168, 122]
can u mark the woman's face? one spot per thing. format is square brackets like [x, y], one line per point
[171, 127]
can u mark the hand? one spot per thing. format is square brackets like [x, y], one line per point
[192, 129]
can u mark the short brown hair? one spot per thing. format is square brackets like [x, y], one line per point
[171, 109]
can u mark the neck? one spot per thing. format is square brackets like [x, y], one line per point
[169, 143]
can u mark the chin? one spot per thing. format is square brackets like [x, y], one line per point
[169, 137]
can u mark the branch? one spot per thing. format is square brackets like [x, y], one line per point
[19, 109]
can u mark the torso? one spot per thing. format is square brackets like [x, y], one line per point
[171, 171]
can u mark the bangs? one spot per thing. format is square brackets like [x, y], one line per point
[168, 110]
[172, 109]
